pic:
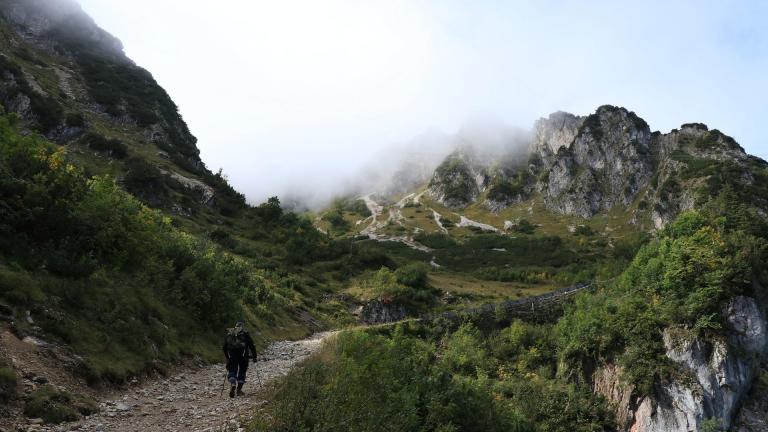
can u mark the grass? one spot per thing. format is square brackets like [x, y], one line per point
[481, 291]
[469, 289]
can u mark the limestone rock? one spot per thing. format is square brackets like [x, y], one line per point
[721, 373]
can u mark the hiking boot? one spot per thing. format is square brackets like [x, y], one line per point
[232, 391]
[240, 390]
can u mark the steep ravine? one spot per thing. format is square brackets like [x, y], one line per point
[718, 372]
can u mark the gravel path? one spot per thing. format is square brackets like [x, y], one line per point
[193, 400]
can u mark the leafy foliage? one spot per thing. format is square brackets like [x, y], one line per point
[352, 205]
[406, 285]
[435, 240]
[57, 406]
[337, 221]
[424, 378]
[113, 147]
[507, 190]
[128, 287]
[700, 261]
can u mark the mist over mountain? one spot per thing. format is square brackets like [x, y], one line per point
[327, 85]
[580, 271]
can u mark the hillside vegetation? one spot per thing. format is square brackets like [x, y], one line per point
[111, 277]
[527, 377]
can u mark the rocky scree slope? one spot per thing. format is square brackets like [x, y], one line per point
[584, 166]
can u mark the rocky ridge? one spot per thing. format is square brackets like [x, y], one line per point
[584, 166]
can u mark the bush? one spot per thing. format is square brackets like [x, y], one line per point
[56, 406]
[505, 191]
[413, 275]
[113, 147]
[375, 379]
[352, 205]
[523, 226]
[223, 238]
[337, 221]
[435, 241]
[697, 264]
[426, 378]
[145, 181]
[125, 289]
[584, 230]
[75, 120]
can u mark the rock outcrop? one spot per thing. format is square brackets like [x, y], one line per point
[719, 372]
[584, 166]
[608, 162]
[551, 134]
[379, 312]
[456, 182]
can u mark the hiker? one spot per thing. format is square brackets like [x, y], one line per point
[237, 346]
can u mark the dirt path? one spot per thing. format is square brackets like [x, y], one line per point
[193, 400]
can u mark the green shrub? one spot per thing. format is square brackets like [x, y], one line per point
[337, 221]
[352, 205]
[56, 406]
[75, 120]
[523, 226]
[504, 191]
[683, 278]
[113, 147]
[435, 240]
[385, 383]
[145, 181]
[583, 230]
[465, 352]
[427, 378]
[413, 275]
[125, 289]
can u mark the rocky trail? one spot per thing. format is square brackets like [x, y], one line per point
[192, 399]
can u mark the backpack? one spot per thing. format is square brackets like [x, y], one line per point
[235, 340]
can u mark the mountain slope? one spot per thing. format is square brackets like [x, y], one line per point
[672, 229]
[580, 170]
[71, 81]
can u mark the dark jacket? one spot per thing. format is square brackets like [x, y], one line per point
[249, 351]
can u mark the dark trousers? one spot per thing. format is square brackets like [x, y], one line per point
[237, 366]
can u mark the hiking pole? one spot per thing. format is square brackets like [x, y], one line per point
[223, 384]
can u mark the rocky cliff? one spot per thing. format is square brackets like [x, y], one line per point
[714, 376]
[71, 81]
[584, 166]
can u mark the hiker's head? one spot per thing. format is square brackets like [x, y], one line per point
[239, 325]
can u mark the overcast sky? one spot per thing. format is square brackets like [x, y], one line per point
[285, 94]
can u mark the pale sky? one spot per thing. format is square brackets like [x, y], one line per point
[302, 94]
